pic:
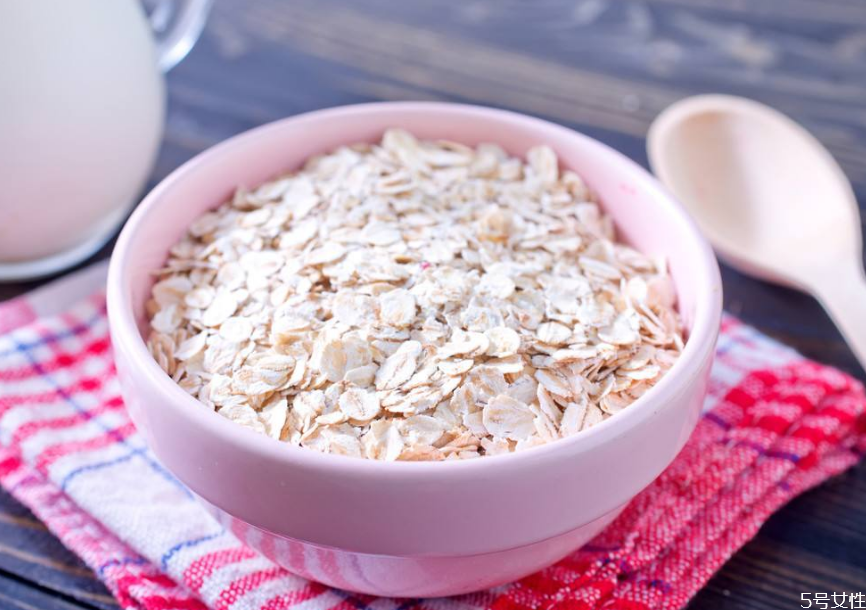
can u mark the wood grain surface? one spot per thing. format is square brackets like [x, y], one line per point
[605, 67]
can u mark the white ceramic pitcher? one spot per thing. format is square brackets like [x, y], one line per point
[82, 107]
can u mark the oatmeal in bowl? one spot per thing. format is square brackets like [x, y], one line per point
[400, 360]
[414, 300]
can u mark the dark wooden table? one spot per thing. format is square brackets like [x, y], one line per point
[605, 67]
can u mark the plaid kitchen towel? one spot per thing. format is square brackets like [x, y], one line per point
[774, 425]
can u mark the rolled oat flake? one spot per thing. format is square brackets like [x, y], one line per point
[414, 300]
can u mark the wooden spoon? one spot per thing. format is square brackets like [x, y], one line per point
[769, 197]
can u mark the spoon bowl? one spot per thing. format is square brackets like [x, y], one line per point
[769, 197]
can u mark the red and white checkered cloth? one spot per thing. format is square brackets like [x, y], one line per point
[775, 425]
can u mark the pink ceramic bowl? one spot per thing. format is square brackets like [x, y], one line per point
[412, 528]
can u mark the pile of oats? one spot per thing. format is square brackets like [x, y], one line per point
[414, 301]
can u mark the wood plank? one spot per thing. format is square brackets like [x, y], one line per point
[838, 12]
[18, 594]
[813, 80]
[30, 553]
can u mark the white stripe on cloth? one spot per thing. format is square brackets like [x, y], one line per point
[18, 416]
[28, 386]
[99, 426]
[77, 465]
[148, 510]
[182, 560]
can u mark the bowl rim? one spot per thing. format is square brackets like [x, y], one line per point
[699, 346]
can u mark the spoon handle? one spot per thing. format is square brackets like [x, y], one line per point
[842, 292]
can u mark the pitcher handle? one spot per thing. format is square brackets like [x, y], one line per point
[177, 25]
